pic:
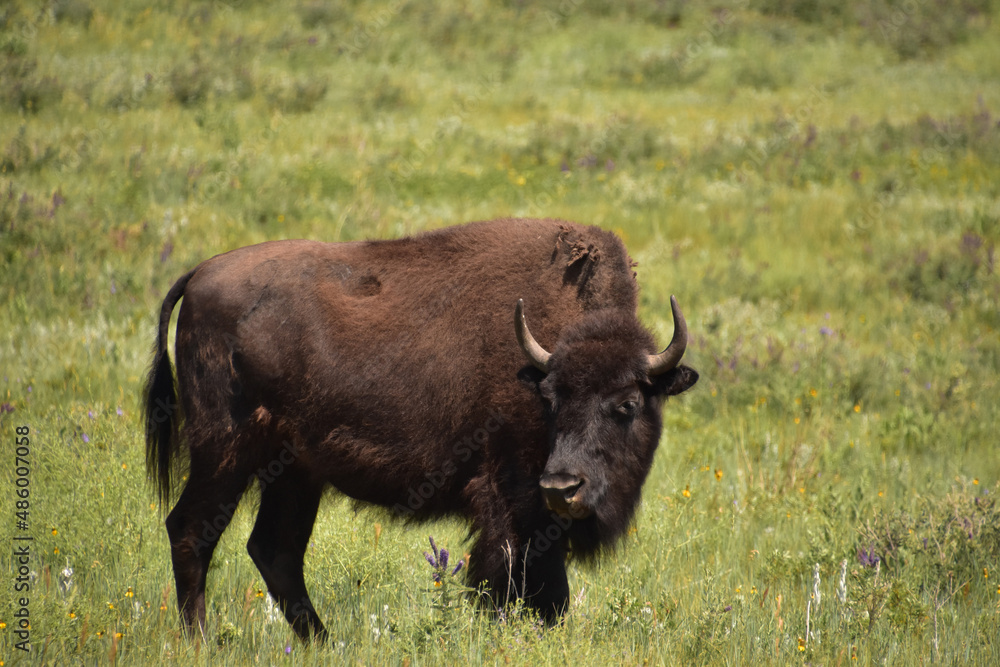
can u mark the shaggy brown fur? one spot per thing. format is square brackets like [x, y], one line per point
[390, 370]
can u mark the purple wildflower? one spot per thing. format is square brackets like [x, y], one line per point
[288, 649]
[867, 558]
[90, 413]
[86, 438]
[826, 331]
[114, 290]
[439, 561]
[120, 412]
[729, 607]
[6, 407]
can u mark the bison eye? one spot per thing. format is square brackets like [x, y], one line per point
[628, 408]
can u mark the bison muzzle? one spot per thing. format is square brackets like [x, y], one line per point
[389, 371]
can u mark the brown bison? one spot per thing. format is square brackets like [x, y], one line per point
[390, 371]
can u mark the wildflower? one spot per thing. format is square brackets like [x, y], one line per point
[986, 573]
[868, 558]
[439, 561]
[72, 615]
[54, 532]
[2, 625]
[129, 592]
[55, 551]
[119, 412]
[802, 644]
[718, 474]
[118, 635]
[813, 392]
[842, 584]
[857, 407]
[288, 649]
[816, 582]
[86, 438]
[163, 606]
[687, 491]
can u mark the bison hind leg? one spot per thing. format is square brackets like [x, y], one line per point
[277, 545]
[194, 526]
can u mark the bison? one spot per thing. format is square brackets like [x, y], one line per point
[390, 371]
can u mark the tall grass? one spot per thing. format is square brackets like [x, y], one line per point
[817, 182]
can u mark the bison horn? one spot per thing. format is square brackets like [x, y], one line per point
[670, 357]
[535, 352]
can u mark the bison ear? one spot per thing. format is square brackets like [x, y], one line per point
[674, 381]
[531, 375]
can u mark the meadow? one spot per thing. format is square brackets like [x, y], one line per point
[818, 182]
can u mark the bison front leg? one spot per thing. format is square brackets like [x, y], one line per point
[545, 586]
[530, 566]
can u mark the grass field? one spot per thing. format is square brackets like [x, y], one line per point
[817, 182]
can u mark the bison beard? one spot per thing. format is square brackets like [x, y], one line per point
[390, 371]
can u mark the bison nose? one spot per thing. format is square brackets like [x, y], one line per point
[559, 489]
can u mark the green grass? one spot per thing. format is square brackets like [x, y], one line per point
[819, 183]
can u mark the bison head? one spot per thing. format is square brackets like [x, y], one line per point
[603, 390]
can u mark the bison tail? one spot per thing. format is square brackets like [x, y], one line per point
[161, 409]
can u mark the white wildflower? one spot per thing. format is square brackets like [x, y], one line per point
[842, 585]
